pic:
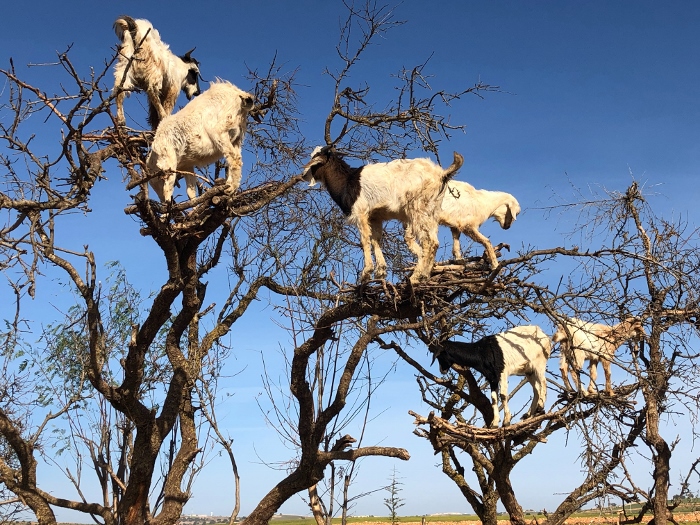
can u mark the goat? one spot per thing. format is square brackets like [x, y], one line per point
[407, 190]
[145, 62]
[209, 127]
[464, 209]
[520, 351]
[581, 340]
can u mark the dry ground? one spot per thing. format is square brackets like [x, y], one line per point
[685, 517]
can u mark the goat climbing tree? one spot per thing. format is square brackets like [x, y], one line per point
[142, 367]
[631, 272]
[124, 380]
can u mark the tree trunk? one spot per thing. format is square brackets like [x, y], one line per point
[502, 466]
[346, 489]
[489, 513]
[133, 509]
[301, 479]
[485, 506]
[315, 504]
[655, 388]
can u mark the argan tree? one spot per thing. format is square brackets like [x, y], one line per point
[637, 264]
[124, 381]
[143, 381]
[141, 368]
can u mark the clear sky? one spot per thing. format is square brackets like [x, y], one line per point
[592, 92]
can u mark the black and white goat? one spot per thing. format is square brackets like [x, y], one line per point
[582, 340]
[520, 351]
[145, 62]
[407, 190]
[209, 127]
[464, 209]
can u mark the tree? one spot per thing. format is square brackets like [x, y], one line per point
[394, 502]
[147, 368]
[630, 272]
[48, 186]
[147, 365]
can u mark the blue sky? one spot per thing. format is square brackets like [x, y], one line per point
[592, 92]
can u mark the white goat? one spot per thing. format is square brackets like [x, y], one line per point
[209, 127]
[581, 340]
[464, 209]
[145, 62]
[407, 190]
[520, 351]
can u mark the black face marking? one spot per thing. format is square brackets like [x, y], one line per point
[192, 79]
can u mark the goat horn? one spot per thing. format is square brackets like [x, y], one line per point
[187, 55]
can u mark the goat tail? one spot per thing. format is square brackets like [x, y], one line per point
[153, 116]
[453, 168]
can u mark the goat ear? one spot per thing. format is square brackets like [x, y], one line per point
[308, 176]
[508, 219]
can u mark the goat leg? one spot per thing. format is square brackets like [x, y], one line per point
[234, 170]
[477, 236]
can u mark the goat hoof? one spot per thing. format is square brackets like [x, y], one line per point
[418, 278]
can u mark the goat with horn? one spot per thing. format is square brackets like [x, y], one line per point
[409, 190]
[145, 62]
